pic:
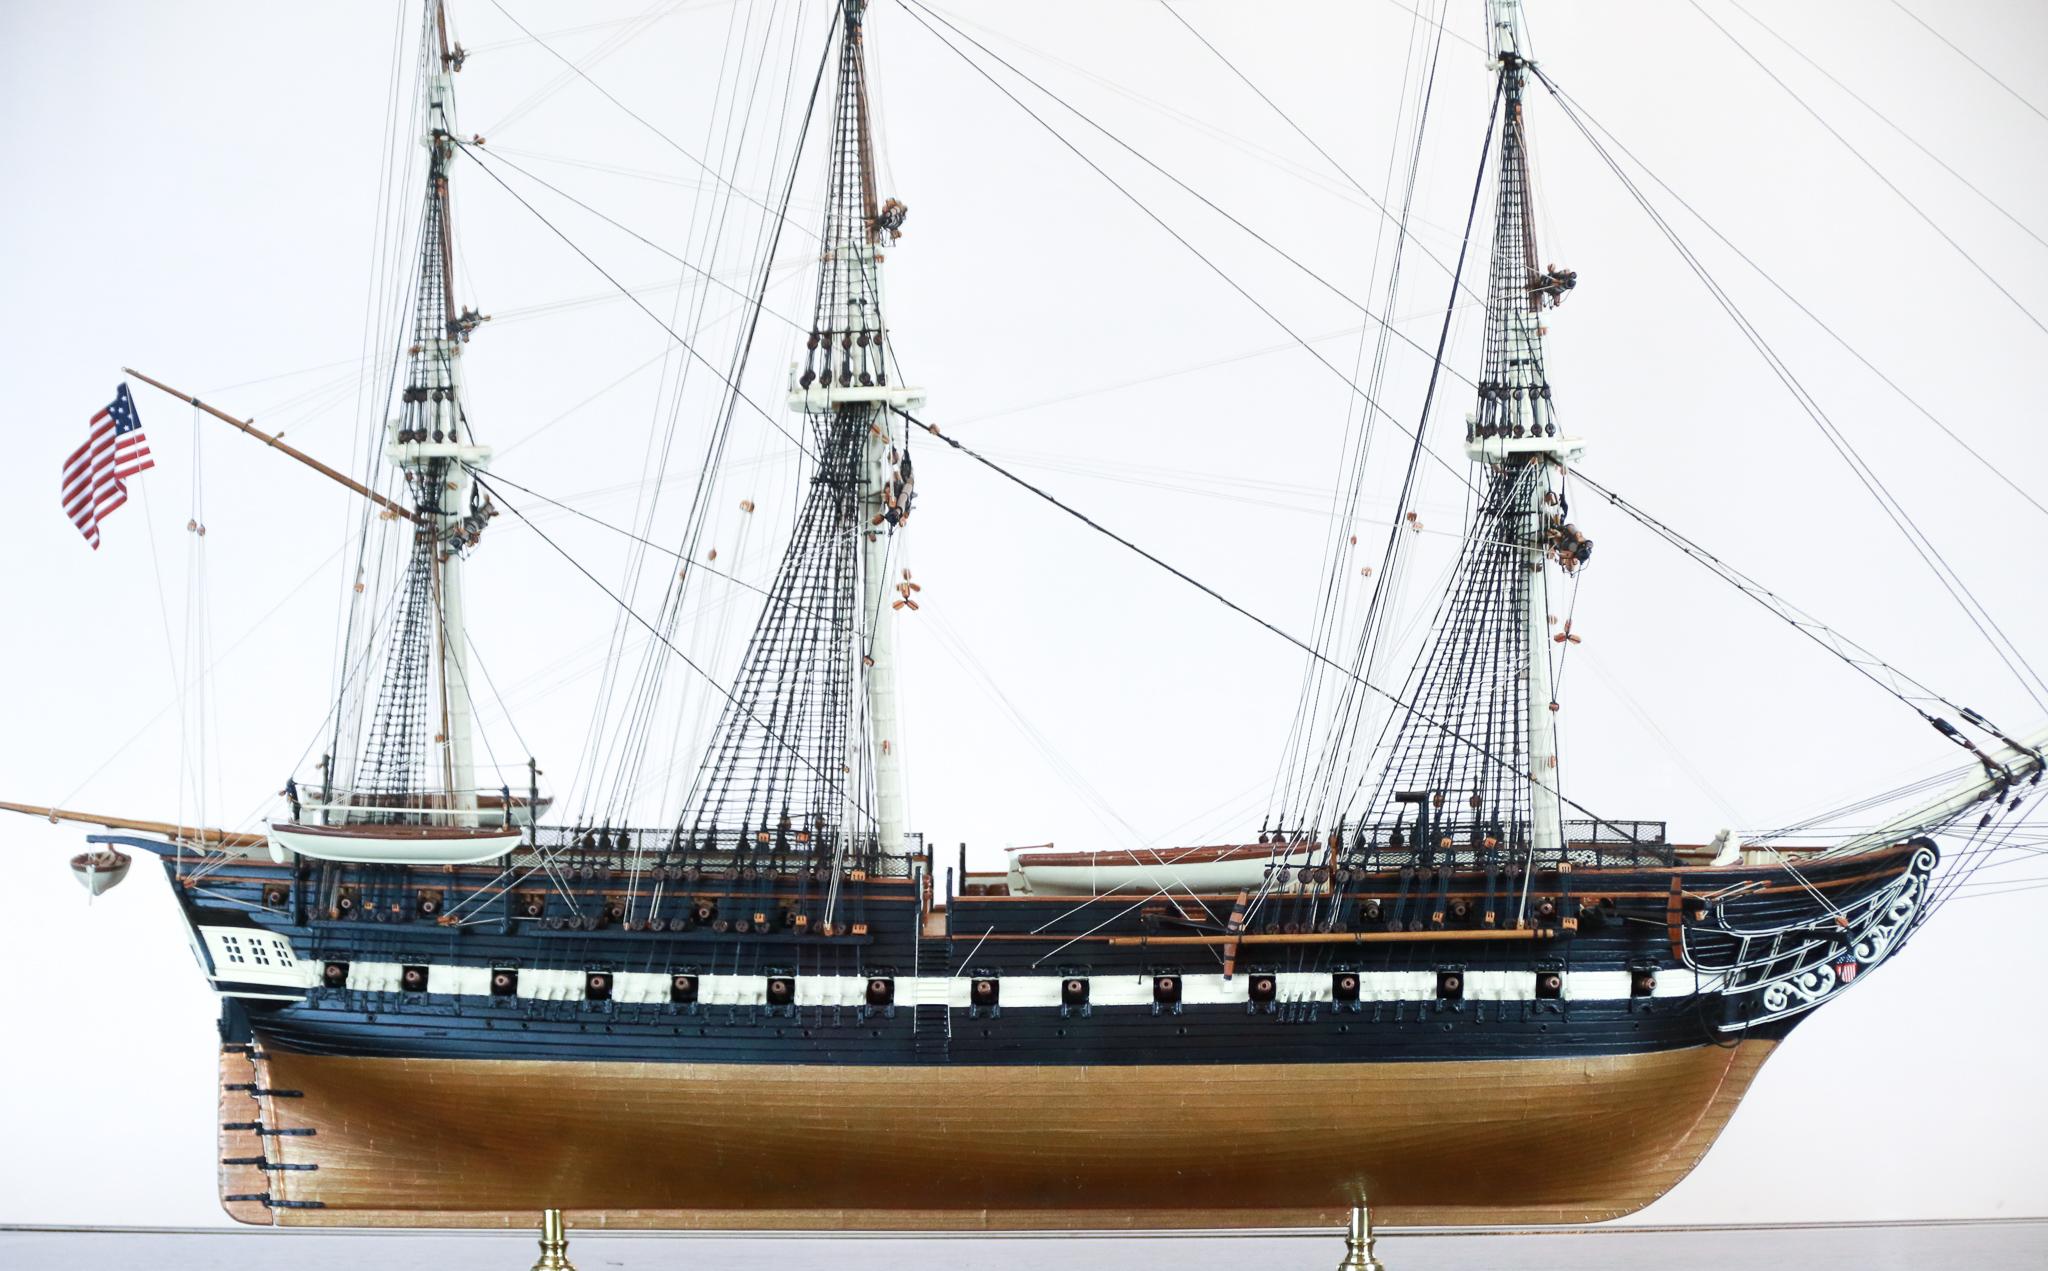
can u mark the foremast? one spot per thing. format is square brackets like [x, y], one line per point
[1514, 429]
[1467, 769]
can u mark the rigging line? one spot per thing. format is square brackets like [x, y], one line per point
[1945, 236]
[205, 671]
[1336, 593]
[1285, 496]
[568, 668]
[1648, 722]
[1945, 574]
[504, 317]
[687, 347]
[2014, 92]
[537, 431]
[766, 253]
[831, 785]
[483, 894]
[968, 961]
[1979, 842]
[650, 175]
[163, 606]
[2021, 853]
[356, 528]
[399, 298]
[1153, 164]
[2017, 849]
[503, 709]
[1155, 894]
[1438, 23]
[954, 647]
[780, 214]
[1400, 223]
[2016, 886]
[1850, 652]
[1985, 840]
[959, 651]
[493, 46]
[623, 753]
[1824, 824]
[1208, 825]
[214, 391]
[1858, 98]
[381, 290]
[1393, 557]
[701, 272]
[448, 661]
[1800, 305]
[1309, 174]
[1230, 604]
[767, 248]
[612, 45]
[477, 475]
[1176, 235]
[1246, 355]
[193, 598]
[348, 679]
[775, 466]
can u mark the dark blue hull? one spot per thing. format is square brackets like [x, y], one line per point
[1627, 964]
[425, 1047]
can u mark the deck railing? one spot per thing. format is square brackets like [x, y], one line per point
[668, 854]
[487, 808]
[1476, 845]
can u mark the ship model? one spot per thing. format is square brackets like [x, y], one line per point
[1433, 980]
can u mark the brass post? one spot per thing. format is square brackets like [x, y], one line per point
[554, 1243]
[1358, 1242]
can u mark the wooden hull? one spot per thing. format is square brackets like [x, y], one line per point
[420, 1142]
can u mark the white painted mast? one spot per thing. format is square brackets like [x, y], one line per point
[877, 725]
[878, 616]
[435, 444]
[432, 444]
[880, 568]
[1527, 435]
[852, 259]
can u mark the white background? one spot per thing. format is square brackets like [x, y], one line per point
[193, 191]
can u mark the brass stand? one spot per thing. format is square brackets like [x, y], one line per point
[554, 1243]
[1358, 1241]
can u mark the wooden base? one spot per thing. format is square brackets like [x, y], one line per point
[470, 1143]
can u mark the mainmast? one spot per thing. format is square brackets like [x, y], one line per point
[849, 373]
[432, 443]
[807, 750]
[1514, 428]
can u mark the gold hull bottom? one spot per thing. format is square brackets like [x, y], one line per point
[473, 1143]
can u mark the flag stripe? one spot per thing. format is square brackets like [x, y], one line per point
[94, 474]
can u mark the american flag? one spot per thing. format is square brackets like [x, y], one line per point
[114, 450]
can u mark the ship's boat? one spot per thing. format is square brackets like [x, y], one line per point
[1431, 977]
